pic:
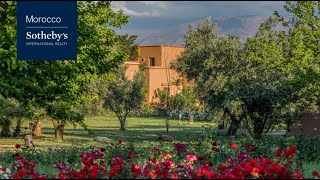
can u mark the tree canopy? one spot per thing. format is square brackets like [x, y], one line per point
[41, 83]
[124, 95]
[273, 77]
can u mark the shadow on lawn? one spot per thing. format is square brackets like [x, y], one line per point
[148, 134]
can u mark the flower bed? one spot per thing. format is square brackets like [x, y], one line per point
[163, 165]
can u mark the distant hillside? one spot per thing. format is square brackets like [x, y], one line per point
[244, 27]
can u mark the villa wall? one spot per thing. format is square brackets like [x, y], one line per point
[157, 75]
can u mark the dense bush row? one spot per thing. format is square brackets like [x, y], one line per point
[234, 161]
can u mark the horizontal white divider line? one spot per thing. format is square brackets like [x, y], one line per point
[46, 27]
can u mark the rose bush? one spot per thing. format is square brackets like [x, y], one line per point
[181, 164]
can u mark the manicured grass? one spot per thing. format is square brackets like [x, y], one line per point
[144, 131]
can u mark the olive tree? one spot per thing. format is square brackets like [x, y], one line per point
[124, 95]
[214, 63]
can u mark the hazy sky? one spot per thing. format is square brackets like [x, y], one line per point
[147, 15]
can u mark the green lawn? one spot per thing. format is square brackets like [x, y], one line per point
[144, 131]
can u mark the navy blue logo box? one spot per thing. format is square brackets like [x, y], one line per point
[46, 30]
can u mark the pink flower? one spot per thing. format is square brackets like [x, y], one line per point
[167, 156]
[122, 142]
[117, 160]
[192, 157]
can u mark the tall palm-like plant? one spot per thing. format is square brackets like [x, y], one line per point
[9, 108]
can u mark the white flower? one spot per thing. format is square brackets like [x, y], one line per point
[8, 171]
[315, 129]
[5, 176]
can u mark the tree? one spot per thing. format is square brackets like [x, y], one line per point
[40, 83]
[62, 113]
[290, 60]
[92, 103]
[273, 79]
[125, 44]
[125, 95]
[10, 108]
[184, 101]
[214, 63]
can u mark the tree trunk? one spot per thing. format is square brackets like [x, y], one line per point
[122, 120]
[258, 127]
[58, 131]
[18, 127]
[5, 132]
[234, 125]
[58, 128]
[17, 131]
[122, 125]
[37, 127]
[289, 127]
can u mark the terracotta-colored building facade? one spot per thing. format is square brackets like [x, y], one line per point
[157, 59]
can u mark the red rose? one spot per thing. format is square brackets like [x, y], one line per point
[131, 155]
[61, 175]
[278, 152]
[201, 158]
[220, 167]
[22, 172]
[102, 149]
[18, 146]
[299, 176]
[315, 173]
[216, 149]
[287, 152]
[234, 146]
[293, 150]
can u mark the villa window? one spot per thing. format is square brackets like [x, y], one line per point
[152, 62]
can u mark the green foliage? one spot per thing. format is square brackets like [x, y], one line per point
[184, 101]
[125, 43]
[215, 64]
[309, 146]
[10, 109]
[287, 62]
[63, 112]
[93, 99]
[274, 78]
[40, 83]
[124, 95]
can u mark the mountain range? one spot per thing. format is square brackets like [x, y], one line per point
[243, 26]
